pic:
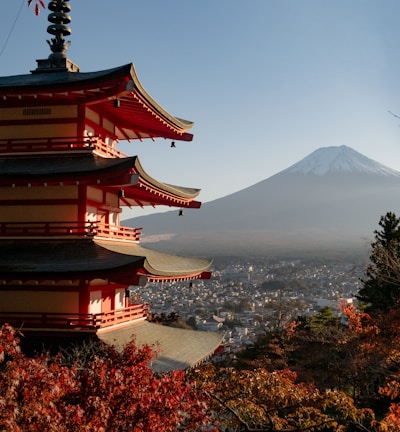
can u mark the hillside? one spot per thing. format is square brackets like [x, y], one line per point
[331, 199]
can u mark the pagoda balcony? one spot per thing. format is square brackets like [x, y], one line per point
[64, 321]
[68, 229]
[122, 316]
[47, 229]
[118, 232]
[54, 145]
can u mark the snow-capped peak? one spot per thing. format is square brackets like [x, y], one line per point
[339, 160]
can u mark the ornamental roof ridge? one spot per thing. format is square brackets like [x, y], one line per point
[58, 18]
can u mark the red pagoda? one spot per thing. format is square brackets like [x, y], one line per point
[66, 263]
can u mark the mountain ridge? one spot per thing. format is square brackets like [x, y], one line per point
[304, 206]
[339, 159]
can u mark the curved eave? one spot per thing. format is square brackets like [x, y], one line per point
[149, 101]
[137, 196]
[119, 262]
[138, 117]
[147, 191]
[178, 191]
[159, 266]
[139, 188]
[152, 278]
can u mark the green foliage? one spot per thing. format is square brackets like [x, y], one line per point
[381, 288]
[323, 319]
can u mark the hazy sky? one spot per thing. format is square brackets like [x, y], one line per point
[265, 81]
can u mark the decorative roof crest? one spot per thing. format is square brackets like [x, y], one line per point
[58, 19]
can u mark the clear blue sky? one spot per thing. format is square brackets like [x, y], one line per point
[265, 81]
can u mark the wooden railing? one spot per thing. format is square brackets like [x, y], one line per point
[101, 147]
[118, 232]
[121, 316]
[48, 320]
[47, 229]
[29, 145]
[64, 321]
[68, 229]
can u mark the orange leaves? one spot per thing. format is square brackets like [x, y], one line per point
[391, 422]
[290, 329]
[108, 390]
[391, 389]
[359, 322]
[261, 400]
[9, 342]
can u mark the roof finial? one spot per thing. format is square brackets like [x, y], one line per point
[59, 17]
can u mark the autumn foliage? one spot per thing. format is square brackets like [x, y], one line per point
[110, 390]
[329, 372]
[114, 391]
[259, 400]
[343, 376]
[322, 373]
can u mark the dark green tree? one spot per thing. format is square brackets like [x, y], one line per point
[322, 319]
[381, 287]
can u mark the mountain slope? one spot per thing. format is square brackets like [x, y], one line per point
[333, 196]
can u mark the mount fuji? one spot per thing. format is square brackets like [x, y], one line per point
[341, 159]
[331, 200]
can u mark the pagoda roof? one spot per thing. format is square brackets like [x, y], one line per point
[52, 169]
[119, 262]
[138, 116]
[148, 191]
[176, 348]
[125, 173]
[159, 266]
[64, 259]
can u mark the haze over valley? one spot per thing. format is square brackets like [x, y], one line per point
[330, 201]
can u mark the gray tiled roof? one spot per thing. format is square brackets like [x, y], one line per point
[58, 78]
[159, 263]
[81, 165]
[42, 165]
[86, 256]
[26, 257]
[177, 348]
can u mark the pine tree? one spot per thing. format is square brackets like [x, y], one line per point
[381, 288]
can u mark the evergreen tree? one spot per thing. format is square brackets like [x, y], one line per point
[326, 317]
[381, 288]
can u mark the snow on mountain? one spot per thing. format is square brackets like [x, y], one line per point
[332, 198]
[339, 159]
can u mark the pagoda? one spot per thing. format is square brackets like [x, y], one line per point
[66, 263]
